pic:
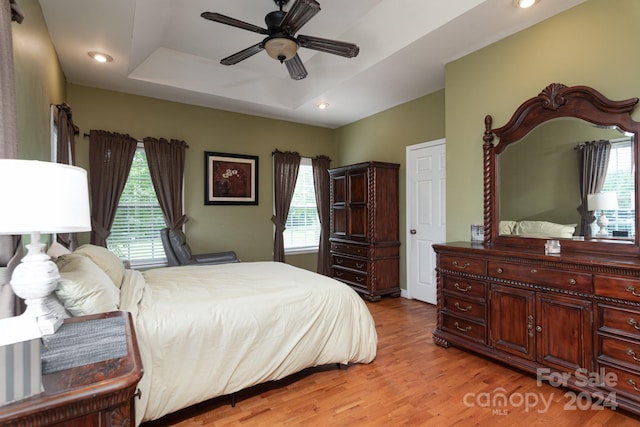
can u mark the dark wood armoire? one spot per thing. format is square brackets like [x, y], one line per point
[365, 245]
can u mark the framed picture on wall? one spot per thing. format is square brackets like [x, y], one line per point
[230, 179]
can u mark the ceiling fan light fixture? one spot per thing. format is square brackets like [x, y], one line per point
[281, 48]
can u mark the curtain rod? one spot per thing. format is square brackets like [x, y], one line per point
[86, 135]
[140, 141]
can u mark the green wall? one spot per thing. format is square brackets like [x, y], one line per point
[246, 229]
[39, 82]
[385, 136]
[593, 44]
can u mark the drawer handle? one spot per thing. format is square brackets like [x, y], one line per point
[339, 273]
[467, 308]
[457, 286]
[534, 271]
[632, 290]
[461, 266]
[572, 281]
[500, 270]
[634, 323]
[632, 354]
[359, 265]
[633, 384]
[339, 260]
[359, 279]
[466, 329]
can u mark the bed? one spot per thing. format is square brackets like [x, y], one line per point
[207, 331]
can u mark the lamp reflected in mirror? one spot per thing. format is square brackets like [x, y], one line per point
[602, 202]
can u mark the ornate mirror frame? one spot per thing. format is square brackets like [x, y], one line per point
[555, 101]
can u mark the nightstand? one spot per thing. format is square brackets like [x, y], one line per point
[83, 384]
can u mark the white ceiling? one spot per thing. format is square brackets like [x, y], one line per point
[164, 49]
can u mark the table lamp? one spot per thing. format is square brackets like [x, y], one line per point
[40, 197]
[602, 202]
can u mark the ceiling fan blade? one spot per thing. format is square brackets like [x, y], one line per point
[296, 68]
[243, 54]
[348, 50]
[216, 17]
[299, 14]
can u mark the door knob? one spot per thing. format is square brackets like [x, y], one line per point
[412, 231]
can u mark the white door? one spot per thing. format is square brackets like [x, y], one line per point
[425, 216]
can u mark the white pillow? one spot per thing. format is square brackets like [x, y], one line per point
[84, 288]
[506, 227]
[106, 260]
[56, 250]
[544, 229]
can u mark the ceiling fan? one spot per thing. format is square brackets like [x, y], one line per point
[280, 43]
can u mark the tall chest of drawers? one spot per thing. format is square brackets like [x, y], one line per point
[573, 316]
[365, 246]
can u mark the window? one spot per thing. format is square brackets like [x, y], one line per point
[619, 179]
[302, 231]
[135, 234]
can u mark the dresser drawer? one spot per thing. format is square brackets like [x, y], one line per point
[621, 381]
[354, 264]
[467, 288]
[617, 287]
[466, 328]
[462, 264]
[352, 277]
[473, 310]
[344, 248]
[619, 320]
[569, 280]
[621, 352]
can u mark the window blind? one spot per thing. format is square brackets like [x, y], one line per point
[303, 227]
[620, 179]
[135, 234]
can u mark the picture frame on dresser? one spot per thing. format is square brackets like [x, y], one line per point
[230, 179]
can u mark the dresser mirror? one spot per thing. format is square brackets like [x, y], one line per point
[536, 188]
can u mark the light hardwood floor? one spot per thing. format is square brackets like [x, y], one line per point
[412, 382]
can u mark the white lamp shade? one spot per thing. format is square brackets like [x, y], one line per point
[43, 197]
[602, 201]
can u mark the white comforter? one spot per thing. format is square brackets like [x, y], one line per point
[206, 331]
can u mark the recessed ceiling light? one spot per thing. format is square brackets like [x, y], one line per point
[323, 105]
[523, 4]
[100, 57]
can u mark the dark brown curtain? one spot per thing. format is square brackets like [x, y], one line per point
[66, 154]
[321, 166]
[110, 159]
[166, 166]
[285, 174]
[9, 11]
[67, 131]
[593, 160]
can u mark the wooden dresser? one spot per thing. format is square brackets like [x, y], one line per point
[572, 313]
[96, 394]
[365, 246]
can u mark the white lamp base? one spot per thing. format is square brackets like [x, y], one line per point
[34, 279]
[602, 222]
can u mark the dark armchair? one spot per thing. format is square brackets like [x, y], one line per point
[179, 253]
